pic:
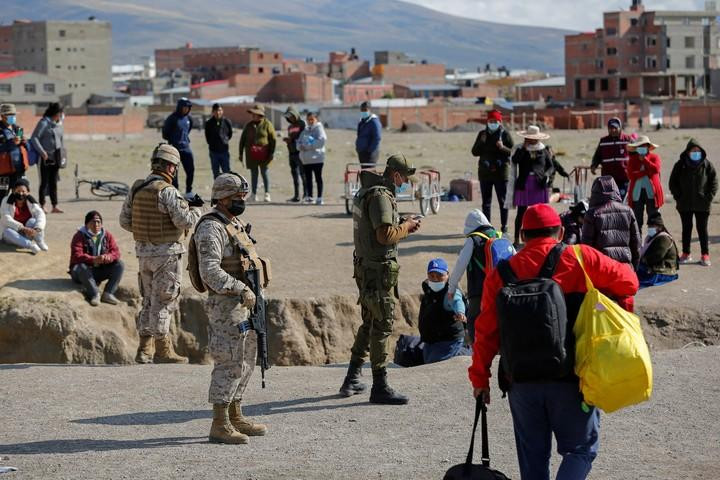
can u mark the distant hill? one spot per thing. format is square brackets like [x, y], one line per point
[308, 29]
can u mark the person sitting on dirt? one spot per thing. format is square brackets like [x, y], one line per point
[442, 320]
[95, 257]
[22, 219]
[572, 222]
[659, 260]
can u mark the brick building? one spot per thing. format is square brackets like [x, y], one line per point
[6, 48]
[294, 87]
[644, 55]
[552, 88]
[409, 73]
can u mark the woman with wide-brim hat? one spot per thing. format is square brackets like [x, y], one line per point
[645, 191]
[533, 162]
[257, 143]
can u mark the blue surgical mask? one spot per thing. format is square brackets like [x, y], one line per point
[436, 286]
[11, 120]
[364, 115]
[695, 156]
[652, 231]
[641, 150]
[492, 126]
[402, 188]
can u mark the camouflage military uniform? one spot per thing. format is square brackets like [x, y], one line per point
[160, 264]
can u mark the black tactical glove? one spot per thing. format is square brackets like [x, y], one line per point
[196, 201]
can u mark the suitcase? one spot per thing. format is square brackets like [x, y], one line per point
[469, 190]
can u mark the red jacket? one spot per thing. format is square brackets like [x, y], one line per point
[612, 278]
[639, 167]
[81, 249]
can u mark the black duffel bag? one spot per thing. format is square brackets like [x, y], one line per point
[468, 470]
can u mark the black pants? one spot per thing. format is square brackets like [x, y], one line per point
[89, 276]
[310, 170]
[486, 188]
[701, 223]
[521, 209]
[298, 175]
[643, 203]
[369, 157]
[188, 163]
[49, 175]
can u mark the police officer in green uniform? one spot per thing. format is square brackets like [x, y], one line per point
[377, 229]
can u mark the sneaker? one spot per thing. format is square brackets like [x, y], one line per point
[95, 301]
[705, 260]
[685, 258]
[307, 200]
[294, 200]
[319, 201]
[108, 297]
[34, 248]
[267, 197]
[43, 246]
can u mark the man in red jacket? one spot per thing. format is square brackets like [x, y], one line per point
[95, 257]
[611, 155]
[541, 409]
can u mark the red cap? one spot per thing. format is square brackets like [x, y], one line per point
[540, 216]
[494, 115]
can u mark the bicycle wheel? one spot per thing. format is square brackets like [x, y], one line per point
[109, 189]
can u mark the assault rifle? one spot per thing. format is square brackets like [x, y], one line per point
[258, 320]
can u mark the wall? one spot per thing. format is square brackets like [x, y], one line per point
[360, 92]
[414, 73]
[17, 86]
[6, 48]
[700, 116]
[533, 94]
[130, 122]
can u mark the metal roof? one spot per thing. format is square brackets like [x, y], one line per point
[545, 82]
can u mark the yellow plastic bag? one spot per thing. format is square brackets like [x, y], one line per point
[611, 356]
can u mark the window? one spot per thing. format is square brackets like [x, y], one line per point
[604, 84]
[612, 51]
[261, 70]
[30, 88]
[57, 49]
[623, 84]
[667, 62]
[260, 56]
[58, 67]
[650, 41]
[611, 32]
[633, 22]
[650, 62]
[591, 85]
[82, 67]
[599, 64]
[276, 56]
[633, 40]
[690, 61]
[49, 88]
[634, 60]
[612, 71]
[667, 43]
[5, 88]
[689, 42]
[61, 33]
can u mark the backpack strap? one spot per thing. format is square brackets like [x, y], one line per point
[506, 273]
[548, 268]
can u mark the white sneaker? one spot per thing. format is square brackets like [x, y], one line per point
[319, 201]
[43, 246]
[267, 197]
[34, 249]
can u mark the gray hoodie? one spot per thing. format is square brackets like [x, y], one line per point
[474, 220]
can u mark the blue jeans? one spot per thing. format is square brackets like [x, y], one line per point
[254, 178]
[90, 277]
[439, 351]
[219, 161]
[540, 410]
[19, 240]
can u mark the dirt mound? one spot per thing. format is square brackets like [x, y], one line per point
[468, 127]
[418, 128]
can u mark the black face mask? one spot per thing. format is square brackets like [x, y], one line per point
[237, 207]
[20, 196]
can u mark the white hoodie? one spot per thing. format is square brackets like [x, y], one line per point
[473, 221]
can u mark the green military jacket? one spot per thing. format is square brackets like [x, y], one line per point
[374, 205]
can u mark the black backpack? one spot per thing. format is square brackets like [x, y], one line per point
[533, 322]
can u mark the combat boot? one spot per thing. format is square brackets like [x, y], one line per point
[222, 430]
[164, 352]
[382, 393]
[352, 385]
[243, 424]
[145, 350]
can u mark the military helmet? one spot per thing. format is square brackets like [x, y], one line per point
[167, 153]
[229, 184]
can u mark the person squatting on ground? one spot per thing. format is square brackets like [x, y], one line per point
[22, 220]
[645, 191]
[176, 131]
[442, 318]
[232, 342]
[694, 184]
[611, 155]
[535, 168]
[377, 229]
[94, 258]
[471, 261]
[572, 221]
[295, 127]
[369, 136]
[218, 132]
[543, 407]
[493, 147]
[257, 144]
[311, 144]
[158, 217]
[659, 259]
[48, 141]
[12, 143]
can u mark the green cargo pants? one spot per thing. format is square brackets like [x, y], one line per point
[377, 284]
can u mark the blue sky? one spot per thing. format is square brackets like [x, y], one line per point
[579, 15]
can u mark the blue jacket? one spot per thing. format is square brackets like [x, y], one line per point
[7, 145]
[369, 134]
[176, 129]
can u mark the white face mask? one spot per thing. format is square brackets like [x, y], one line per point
[436, 286]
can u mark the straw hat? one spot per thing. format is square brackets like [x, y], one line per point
[533, 133]
[257, 109]
[642, 140]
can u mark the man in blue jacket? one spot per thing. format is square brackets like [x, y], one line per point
[176, 131]
[369, 134]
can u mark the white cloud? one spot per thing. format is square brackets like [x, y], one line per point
[579, 15]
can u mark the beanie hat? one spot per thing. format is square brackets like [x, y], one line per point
[540, 216]
[437, 265]
[494, 115]
[615, 122]
[22, 182]
[656, 219]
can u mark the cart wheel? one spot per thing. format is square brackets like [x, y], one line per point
[435, 200]
[348, 206]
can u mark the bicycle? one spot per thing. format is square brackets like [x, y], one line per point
[100, 188]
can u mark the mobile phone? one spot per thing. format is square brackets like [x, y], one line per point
[20, 133]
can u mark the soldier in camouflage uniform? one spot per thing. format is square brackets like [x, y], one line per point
[377, 229]
[158, 217]
[233, 344]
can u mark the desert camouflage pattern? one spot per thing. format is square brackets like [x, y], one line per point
[213, 244]
[159, 279]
